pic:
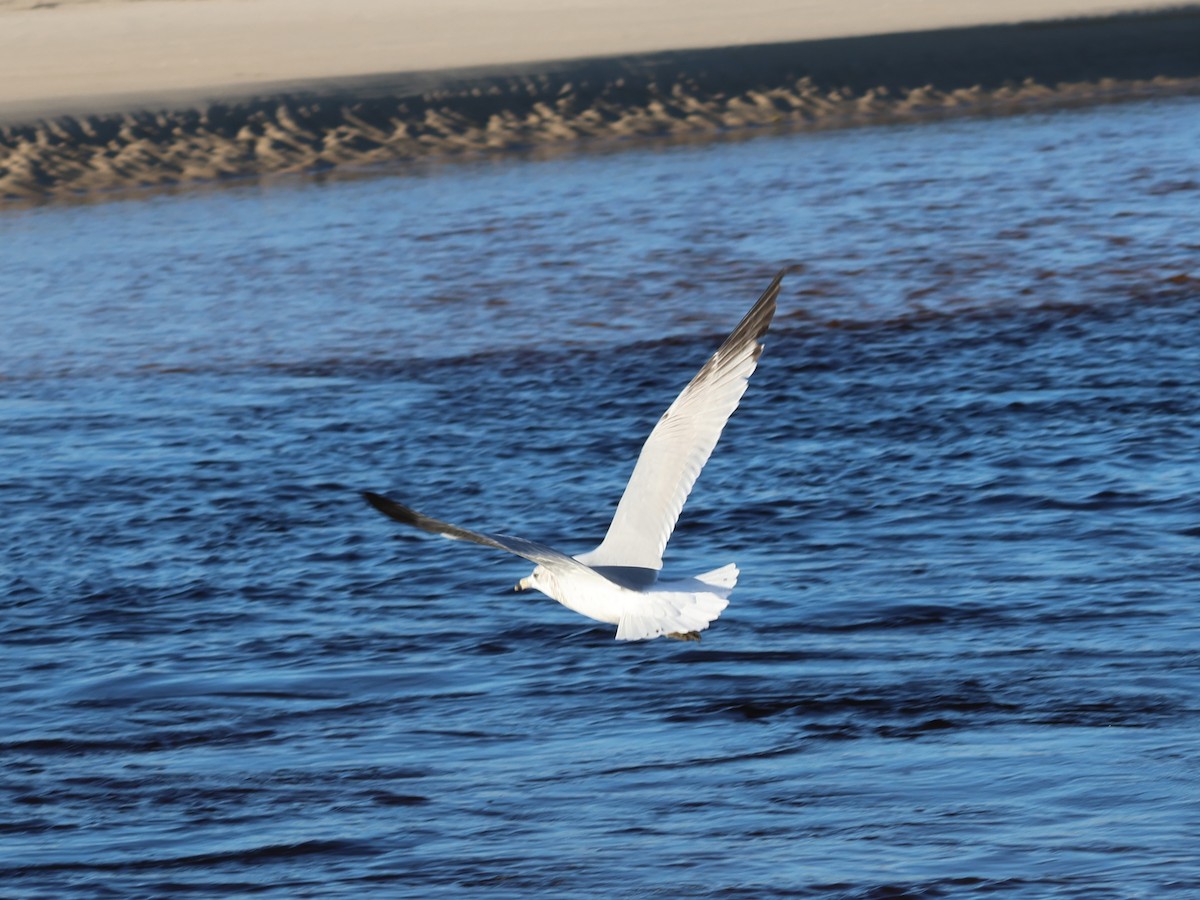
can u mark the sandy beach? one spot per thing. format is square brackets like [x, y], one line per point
[107, 95]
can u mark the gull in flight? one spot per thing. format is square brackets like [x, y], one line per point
[618, 582]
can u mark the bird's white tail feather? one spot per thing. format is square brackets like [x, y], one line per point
[724, 577]
[660, 612]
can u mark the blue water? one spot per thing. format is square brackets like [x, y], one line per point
[963, 657]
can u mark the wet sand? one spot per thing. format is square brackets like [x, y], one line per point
[350, 124]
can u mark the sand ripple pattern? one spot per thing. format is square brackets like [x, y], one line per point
[684, 95]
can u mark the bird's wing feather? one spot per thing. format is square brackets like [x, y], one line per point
[530, 550]
[680, 444]
[670, 612]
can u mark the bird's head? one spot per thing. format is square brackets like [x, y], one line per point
[532, 581]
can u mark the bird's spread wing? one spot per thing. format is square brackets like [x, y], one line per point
[530, 550]
[680, 445]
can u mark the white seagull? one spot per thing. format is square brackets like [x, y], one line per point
[618, 582]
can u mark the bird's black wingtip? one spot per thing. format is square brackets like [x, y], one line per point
[791, 269]
[390, 508]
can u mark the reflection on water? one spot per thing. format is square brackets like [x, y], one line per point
[961, 488]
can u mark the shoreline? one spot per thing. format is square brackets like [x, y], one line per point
[352, 124]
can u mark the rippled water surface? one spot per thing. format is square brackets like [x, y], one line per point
[964, 491]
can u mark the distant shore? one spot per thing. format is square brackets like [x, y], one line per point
[358, 123]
